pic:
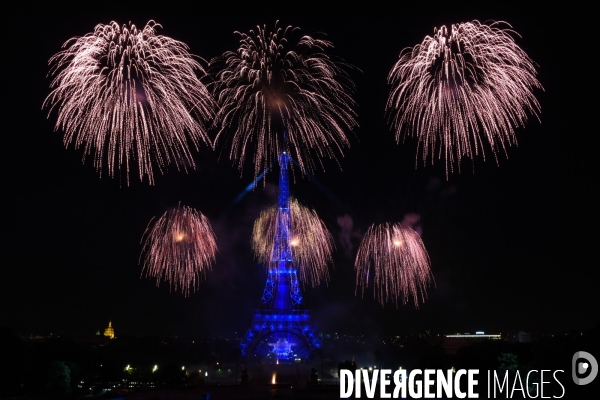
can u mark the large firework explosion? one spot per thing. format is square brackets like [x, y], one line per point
[465, 88]
[276, 95]
[394, 258]
[179, 248]
[311, 243]
[130, 96]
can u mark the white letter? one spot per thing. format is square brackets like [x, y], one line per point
[370, 386]
[459, 394]
[346, 374]
[535, 384]
[400, 382]
[504, 382]
[542, 383]
[443, 383]
[556, 379]
[411, 384]
[428, 381]
[357, 383]
[518, 379]
[384, 382]
[472, 382]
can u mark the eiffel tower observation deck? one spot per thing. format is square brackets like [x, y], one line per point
[281, 328]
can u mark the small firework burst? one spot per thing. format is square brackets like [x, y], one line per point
[276, 95]
[466, 88]
[310, 242]
[395, 259]
[180, 248]
[129, 96]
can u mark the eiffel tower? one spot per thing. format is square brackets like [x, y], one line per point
[281, 328]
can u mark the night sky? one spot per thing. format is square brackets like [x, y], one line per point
[512, 246]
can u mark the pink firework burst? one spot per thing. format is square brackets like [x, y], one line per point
[394, 258]
[180, 248]
[276, 95]
[466, 88]
[311, 243]
[129, 96]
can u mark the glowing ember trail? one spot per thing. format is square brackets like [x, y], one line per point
[311, 242]
[271, 85]
[394, 258]
[464, 89]
[129, 96]
[180, 248]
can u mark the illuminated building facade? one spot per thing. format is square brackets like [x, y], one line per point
[452, 343]
[281, 329]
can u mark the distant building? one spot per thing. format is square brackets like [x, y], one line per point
[35, 338]
[518, 337]
[110, 332]
[452, 343]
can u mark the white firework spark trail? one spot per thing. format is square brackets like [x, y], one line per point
[270, 86]
[179, 247]
[395, 259]
[129, 96]
[466, 88]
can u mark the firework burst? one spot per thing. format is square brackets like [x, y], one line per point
[311, 243]
[179, 248]
[395, 258]
[271, 87]
[465, 88]
[129, 96]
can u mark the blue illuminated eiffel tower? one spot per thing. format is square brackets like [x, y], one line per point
[281, 328]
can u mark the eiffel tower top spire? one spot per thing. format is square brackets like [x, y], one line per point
[282, 247]
[284, 183]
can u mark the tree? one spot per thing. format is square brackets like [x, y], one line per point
[57, 384]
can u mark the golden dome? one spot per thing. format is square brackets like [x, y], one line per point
[110, 332]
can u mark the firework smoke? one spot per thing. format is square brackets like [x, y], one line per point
[311, 243]
[465, 88]
[396, 259]
[179, 248]
[270, 86]
[130, 96]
